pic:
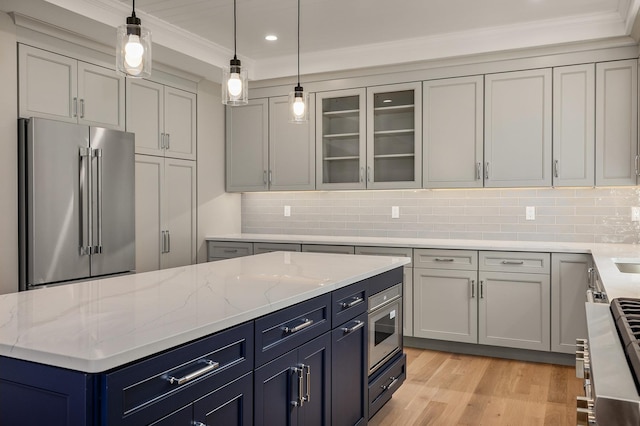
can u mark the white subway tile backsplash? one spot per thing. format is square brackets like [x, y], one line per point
[566, 215]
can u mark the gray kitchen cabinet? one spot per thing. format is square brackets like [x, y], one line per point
[267, 152]
[407, 287]
[517, 126]
[394, 136]
[61, 88]
[514, 307]
[269, 247]
[323, 248]
[163, 119]
[445, 294]
[247, 146]
[165, 212]
[220, 250]
[341, 139]
[569, 283]
[453, 132]
[617, 123]
[574, 125]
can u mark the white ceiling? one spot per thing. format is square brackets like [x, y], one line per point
[347, 34]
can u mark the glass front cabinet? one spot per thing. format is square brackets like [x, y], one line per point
[369, 138]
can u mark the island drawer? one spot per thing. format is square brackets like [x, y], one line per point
[524, 262]
[385, 383]
[446, 259]
[349, 302]
[284, 330]
[228, 249]
[150, 389]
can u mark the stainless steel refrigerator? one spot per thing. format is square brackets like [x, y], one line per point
[77, 206]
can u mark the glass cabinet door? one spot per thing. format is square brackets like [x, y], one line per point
[394, 136]
[340, 139]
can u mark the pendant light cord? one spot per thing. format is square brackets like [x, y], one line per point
[234, 31]
[298, 42]
[133, 8]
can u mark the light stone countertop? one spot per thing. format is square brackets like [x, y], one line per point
[616, 283]
[98, 325]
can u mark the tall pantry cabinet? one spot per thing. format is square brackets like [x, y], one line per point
[164, 121]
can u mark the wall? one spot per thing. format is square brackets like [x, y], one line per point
[601, 215]
[9, 156]
[218, 211]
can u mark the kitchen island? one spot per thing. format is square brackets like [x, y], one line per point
[125, 350]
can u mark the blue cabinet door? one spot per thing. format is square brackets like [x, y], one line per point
[275, 387]
[349, 372]
[183, 416]
[231, 405]
[315, 357]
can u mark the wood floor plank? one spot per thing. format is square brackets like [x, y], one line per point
[451, 389]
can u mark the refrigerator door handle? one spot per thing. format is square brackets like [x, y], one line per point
[98, 154]
[85, 201]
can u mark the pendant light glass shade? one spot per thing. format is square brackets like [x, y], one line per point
[298, 99]
[133, 48]
[298, 106]
[235, 84]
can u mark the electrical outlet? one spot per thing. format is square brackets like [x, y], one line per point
[287, 210]
[635, 214]
[530, 213]
[395, 212]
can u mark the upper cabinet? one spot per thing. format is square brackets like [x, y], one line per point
[341, 139]
[517, 143]
[452, 133]
[163, 119]
[384, 153]
[267, 152]
[574, 125]
[61, 88]
[394, 136]
[616, 123]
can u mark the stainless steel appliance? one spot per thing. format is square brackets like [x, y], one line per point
[385, 326]
[606, 362]
[77, 187]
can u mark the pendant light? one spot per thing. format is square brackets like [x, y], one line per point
[234, 78]
[298, 99]
[133, 48]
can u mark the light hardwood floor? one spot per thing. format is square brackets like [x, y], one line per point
[451, 389]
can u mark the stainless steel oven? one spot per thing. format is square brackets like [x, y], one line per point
[385, 326]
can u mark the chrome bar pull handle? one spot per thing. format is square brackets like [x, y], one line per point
[299, 372]
[473, 289]
[348, 330]
[305, 323]
[210, 366]
[168, 242]
[168, 144]
[361, 174]
[486, 171]
[637, 165]
[75, 107]
[447, 259]
[481, 289]
[231, 250]
[81, 108]
[478, 170]
[99, 180]
[307, 394]
[161, 140]
[162, 242]
[513, 262]
[556, 169]
[368, 173]
[85, 245]
[394, 380]
[270, 177]
[264, 177]
[354, 301]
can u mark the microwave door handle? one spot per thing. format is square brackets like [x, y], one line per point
[99, 165]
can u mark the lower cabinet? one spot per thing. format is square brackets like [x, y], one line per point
[348, 375]
[570, 278]
[513, 310]
[295, 388]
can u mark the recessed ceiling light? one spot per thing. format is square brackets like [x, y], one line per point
[271, 37]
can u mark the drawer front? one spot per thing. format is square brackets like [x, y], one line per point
[269, 247]
[385, 383]
[228, 249]
[387, 251]
[446, 259]
[348, 302]
[282, 331]
[321, 248]
[506, 261]
[143, 392]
